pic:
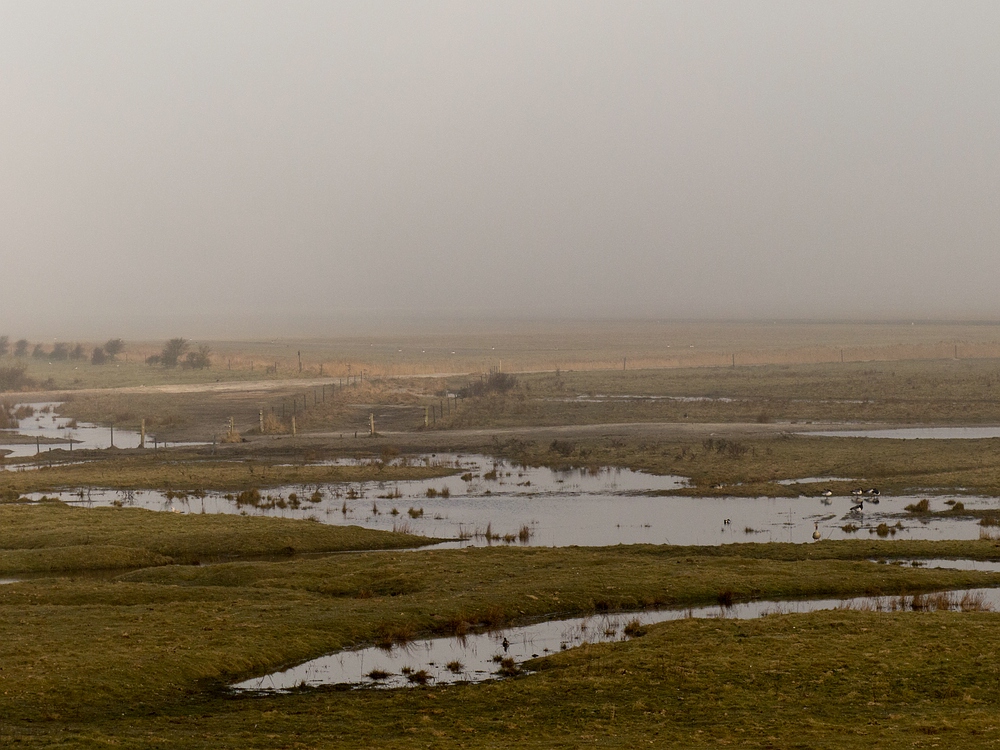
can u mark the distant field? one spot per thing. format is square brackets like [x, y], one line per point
[943, 391]
[521, 347]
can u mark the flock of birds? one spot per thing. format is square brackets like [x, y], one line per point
[871, 494]
[873, 498]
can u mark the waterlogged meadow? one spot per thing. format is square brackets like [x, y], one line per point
[615, 585]
[480, 500]
[151, 653]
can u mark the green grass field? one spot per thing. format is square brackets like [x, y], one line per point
[118, 639]
[142, 659]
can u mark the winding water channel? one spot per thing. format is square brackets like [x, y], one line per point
[480, 657]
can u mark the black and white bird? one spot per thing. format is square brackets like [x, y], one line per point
[858, 508]
[858, 491]
[816, 534]
[827, 493]
[874, 491]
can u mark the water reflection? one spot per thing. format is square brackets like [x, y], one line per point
[40, 420]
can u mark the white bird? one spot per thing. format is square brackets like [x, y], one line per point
[816, 534]
[827, 493]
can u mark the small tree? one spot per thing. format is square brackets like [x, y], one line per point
[60, 352]
[77, 352]
[38, 352]
[98, 356]
[172, 352]
[21, 348]
[114, 347]
[4, 345]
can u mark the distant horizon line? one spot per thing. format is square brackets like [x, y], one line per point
[213, 327]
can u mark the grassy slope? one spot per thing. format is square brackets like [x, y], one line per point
[929, 391]
[832, 679]
[155, 642]
[187, 471]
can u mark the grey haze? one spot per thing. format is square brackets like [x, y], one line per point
[232, 166]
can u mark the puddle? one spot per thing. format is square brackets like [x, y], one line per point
[476, 658]
[542, 507]
[47, 425]
[4, 581]
[917, 433]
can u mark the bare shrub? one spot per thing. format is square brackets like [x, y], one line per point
[494, 382]
[198, 360]
[15, 378]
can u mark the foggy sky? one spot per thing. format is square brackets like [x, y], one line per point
[246, 163]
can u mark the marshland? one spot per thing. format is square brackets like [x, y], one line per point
[150, 594]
